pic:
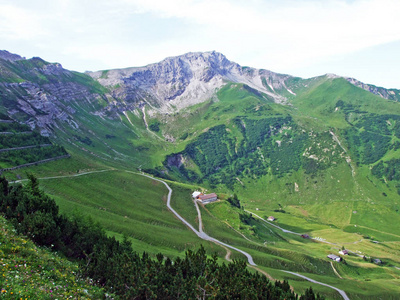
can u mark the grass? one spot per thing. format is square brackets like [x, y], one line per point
[292, 253]
[126, 203]
[359, 289]
[375, 215]
[319, 102]
[183, 203]
[266, 246]
[28, 272]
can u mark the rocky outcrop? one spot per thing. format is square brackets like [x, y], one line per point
[175, 160]
[43, 94]
[391, 94]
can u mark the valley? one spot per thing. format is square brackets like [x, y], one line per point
[314, 153]
[219, 221]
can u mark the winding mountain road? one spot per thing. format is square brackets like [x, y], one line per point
[341, 292]
[25, 147]
[208, 238]
[67, 176]
[200, 233]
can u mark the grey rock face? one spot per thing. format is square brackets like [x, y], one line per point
[391, 94]
[9, 56]
[43, 99]
[54, 69]
[182, 81]
[46, 94]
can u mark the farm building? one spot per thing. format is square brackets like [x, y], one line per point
[305, 236]
[196, 194]
[271, 218]
[334, 257]
[344, 252]
[377, 261]
[207, 198]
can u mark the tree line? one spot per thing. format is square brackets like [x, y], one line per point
[24, 156]
[13, 141]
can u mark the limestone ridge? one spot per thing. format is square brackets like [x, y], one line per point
[4, 54]
[391, 94]
[182, 81]
[42, 94]
[47, 96]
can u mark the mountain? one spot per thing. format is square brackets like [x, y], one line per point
[392, 94]
[321, 155]
[169, 116]
[41, 94]
[5, 55]
[44, 94]
[186, 80]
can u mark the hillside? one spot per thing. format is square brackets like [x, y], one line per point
[31, 272]
[101, 260]
[318, 154]
[21, 147]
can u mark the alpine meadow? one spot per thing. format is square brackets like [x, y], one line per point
[100, 169]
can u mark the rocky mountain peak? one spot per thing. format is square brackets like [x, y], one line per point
[181, 81]
[4, 54]
[44, 91]
[206, 60]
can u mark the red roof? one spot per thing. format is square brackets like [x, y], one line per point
[207, 196]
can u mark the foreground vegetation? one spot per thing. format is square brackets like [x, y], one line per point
[30, 272]
[134, 205]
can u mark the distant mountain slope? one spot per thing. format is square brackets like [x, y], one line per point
[41, 94]
[46, 95]
[391, 94]
[162, 107]
[9, 56]
[21, 147]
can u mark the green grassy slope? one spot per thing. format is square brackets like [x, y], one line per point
[115, 199]
[37, 148]
[126, 203]
[26, 271]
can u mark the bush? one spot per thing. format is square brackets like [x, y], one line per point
[155, 126]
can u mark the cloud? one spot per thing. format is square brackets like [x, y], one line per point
[281, 35]
[290, 31]
[18, 24]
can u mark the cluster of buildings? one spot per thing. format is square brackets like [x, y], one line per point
[205, 198]
[336, 257]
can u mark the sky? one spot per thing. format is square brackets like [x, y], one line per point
[305, 38]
